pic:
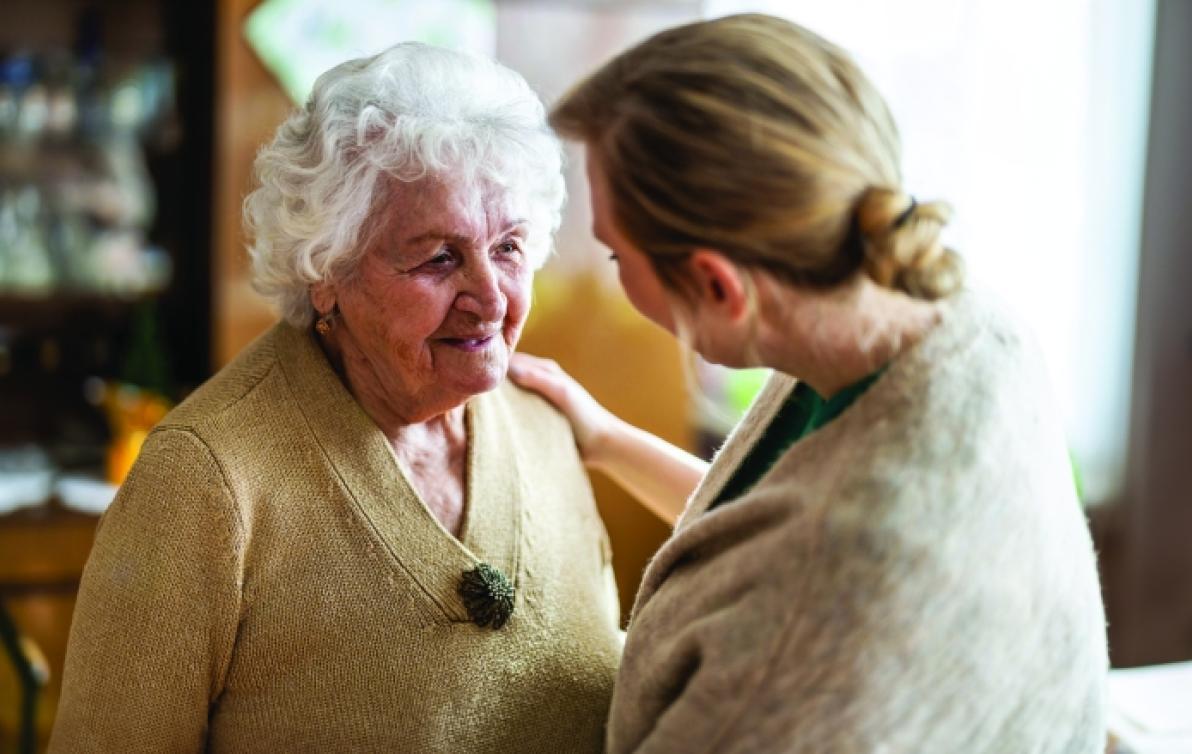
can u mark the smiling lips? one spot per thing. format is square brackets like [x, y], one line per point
[469, 344]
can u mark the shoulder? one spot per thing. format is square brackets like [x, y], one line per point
[174, 457]
[246, 402]
[530, 410]
[960, 440]
[980, 344]
[963, 424]
[176, 488]
[229, 437]
[243, 376]
[978, 378]
[539, 434]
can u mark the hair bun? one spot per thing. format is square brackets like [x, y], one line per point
[902, 244]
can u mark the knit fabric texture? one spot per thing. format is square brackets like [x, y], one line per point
[803, 412]
[268, 581]
[916, 576]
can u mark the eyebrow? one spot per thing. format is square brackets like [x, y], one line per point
[433, 235]
[444, 235]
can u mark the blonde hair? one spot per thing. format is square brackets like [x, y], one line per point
[754, 136]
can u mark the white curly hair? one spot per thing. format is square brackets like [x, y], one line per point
[410, 112]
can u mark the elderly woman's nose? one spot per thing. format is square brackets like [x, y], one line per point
[481, 293]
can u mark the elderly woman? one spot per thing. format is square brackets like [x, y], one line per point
[358, 536]
[888, 554]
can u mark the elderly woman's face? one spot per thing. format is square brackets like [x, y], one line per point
[438, 301]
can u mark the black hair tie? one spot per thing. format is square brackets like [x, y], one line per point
[906, 215]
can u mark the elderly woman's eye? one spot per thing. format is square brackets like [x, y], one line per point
[441, 259]
[508, 247]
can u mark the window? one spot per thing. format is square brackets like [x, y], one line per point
[1030, 118]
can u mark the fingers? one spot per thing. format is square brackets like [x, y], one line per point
[541, 375]
[524, 368]
[524, 362]
[589, 420]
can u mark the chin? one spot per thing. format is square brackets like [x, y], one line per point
[475, 384]
[732, 356]
[713, 355]
[730, 361]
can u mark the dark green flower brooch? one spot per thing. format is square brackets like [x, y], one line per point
[488, 596]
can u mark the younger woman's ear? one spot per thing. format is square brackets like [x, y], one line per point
[322, 297]
[719, 284]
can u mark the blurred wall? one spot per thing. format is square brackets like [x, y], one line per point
[249, 105]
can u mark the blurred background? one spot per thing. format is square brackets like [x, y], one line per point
[1060, 131]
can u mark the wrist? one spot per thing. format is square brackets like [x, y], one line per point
[599, 447]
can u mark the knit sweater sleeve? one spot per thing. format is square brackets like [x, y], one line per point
[158, 607]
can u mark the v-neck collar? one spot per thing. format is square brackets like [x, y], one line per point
[746, 435]
[803, 412]
[362, 458]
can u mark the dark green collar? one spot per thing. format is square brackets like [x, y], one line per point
[823, 411]
[803, 412]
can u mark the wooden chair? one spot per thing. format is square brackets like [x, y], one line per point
[31, 671]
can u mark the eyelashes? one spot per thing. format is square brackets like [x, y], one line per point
[448, 257]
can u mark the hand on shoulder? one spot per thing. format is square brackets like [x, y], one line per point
[591, 423]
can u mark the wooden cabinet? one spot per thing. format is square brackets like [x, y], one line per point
[249, 106]
[44, 553]
[92, 68]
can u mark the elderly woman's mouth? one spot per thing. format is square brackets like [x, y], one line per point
[469, 344]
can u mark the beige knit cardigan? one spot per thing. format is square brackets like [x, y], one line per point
[916, 576]
[267, 581]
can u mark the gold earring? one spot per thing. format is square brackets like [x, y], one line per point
[323, 325]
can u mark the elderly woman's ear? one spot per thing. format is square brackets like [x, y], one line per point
[322, 298]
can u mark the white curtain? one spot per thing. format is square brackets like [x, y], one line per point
[1030, 118]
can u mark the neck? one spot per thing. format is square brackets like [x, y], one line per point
[401, 418]
[835, 338]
